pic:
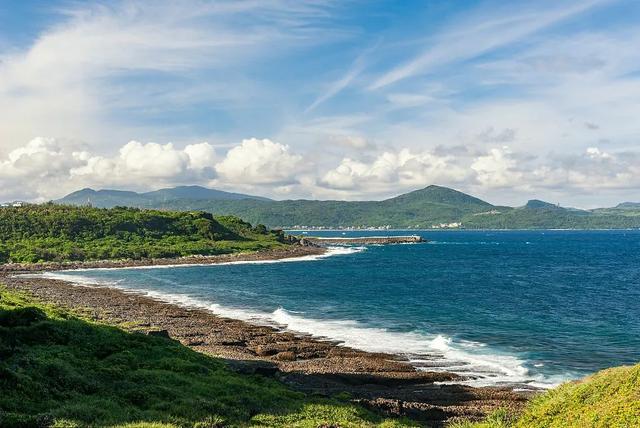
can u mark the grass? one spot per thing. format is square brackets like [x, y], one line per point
[60, 370]
[607, 399]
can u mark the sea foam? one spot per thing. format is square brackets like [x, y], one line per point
[331, 251]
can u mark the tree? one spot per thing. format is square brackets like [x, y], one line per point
[261, 229]
[5, 254]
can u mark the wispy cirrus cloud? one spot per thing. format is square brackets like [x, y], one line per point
[102, 59]
[477, 35]
[356, 68]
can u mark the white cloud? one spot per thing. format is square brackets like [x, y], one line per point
[153, 160]
[201, 155]
[497, 169]
[40, 156]
[47, 168]
[596, 153]
[593, 169]
[146, 162]
[399, 170]
[260, 162]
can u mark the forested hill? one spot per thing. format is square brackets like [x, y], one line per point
[50, 232]
[433, 206]
[112, 198]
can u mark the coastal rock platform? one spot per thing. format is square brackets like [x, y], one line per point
[382, 382]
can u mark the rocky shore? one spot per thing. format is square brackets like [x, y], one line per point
[379, 381]
[275, 254]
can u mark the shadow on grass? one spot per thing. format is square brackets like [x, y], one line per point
[57, 369]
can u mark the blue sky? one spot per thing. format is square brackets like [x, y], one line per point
[323, 99]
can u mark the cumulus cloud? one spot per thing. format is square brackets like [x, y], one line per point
[48, 168]
[498, 168]
[201, 156]
[260, 162]
[592, 169]
[390, 169]
[31, 171]
[40, 157]
[148, 161]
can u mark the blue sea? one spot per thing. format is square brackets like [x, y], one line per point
[524, 308]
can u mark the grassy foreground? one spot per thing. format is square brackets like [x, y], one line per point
[607, 399]
[60, 370]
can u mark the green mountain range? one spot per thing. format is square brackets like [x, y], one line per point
[431, 207]
[111, 198]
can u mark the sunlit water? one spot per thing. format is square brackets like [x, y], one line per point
[525, 308]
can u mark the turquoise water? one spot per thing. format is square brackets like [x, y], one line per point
[531, 308]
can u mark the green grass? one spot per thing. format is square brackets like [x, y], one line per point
[608, 399]
[58, 369]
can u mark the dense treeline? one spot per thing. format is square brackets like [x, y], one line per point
[52, 232]
[546, 218]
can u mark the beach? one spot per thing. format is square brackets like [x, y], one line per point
[384, 382]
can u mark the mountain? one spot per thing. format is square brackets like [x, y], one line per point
[628, 206]
[431, 207]
[197, 193]
[536, 204]
[154, 199]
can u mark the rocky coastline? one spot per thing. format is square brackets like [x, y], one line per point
[290, 251]
[382, 382]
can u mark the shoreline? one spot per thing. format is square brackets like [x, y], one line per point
[384, 382]
[294, 251]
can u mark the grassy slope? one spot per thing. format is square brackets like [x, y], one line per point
[57, 369]
[608, 399]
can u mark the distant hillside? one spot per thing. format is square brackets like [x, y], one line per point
[112, 198]
[431, 207]
[538, 204]
[629, 205]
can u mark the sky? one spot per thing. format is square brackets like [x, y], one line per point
[323, 99]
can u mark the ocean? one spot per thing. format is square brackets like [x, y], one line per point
[521, 308]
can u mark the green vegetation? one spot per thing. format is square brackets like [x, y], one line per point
[544, 217]
[608, 399]
[423, 208]
[50, 232]
[60, 370]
